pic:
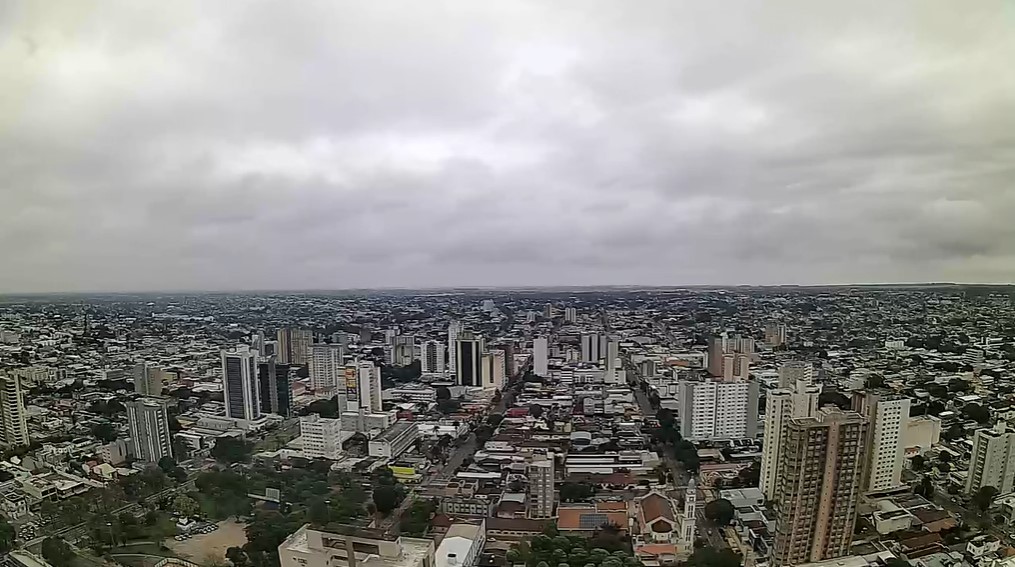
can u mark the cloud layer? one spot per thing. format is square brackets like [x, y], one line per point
[256, 145]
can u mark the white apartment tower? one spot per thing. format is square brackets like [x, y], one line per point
[714, 409]
[541, 497]
[149, 430]
[321, 437]
[570, 315]
[294, 346]
[887, 415]
[493, 369]
[240, 384]
[432, 357]
[13, 422]
[454, 329]
[993, 460]
[147, 379]
[363, 387]
[541, 355]
[327, 367]
[795, 397]
[775, 334]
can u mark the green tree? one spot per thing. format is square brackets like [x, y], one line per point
[720, 512]
[105, 432]
[57, 552]
[186, 506]
[536, 411]
[237, 556]
[232, 450]
[897, 562]
[576, 491]
[386, 499]
[7, 536]
[709, 557]
[918, 462]
[925, 488]
[983, 498]
[167, 464]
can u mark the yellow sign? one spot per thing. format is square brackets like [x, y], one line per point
[402, 471]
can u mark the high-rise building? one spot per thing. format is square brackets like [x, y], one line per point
[454, 329]
[239, 383]
[468, 359]
[294, 346]
[275, 387]
[540, 356]
[540, 472]
[149, 430]
[493, 369]
[820, 469]
[402, 351]
[993, 460]
[13, 421]
[509, 359]
[548, 311]
[257, 343]
[775, 334]
[147, 379]
[362, 387]
[716, 351]
[592, 348]
[612, 355]
[729, 358]
[327, 363]
[570, 315]
[321, 437]
[887, 417]
[714, 409]
[796, 397]
[432, 357]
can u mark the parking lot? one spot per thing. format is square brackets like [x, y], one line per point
[207, 544]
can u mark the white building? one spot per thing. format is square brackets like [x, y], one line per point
[432, 357]
[294, 346]
[541, 355]
[493, 369]
[149, 430]
[321, 437]
[775, 334]
[454, 329]
[993, 460]
[540, 473]
[327, 368]
[13, 422]
[240, 384]
[394, 440]
[148, 379]
[461, 545]
[888, 417]
[796, 396]
[354, 548]
[570, 315]
[593, 347]
[715, 409]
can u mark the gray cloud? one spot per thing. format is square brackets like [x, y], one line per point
[260, 145]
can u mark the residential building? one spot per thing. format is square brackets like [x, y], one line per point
[819, 484]
[275, 386]
[540, 355]
[13, 421]
[729, 358]
[493, 369]
[570, 315]
[454, 329]
[402, 351]
[461, 546]
[432, 357]
[350, 546]
[294, 346]
[712, 409]
[796, 397]
[593, 348]
[541, 478]
[775, 334]
[369, 395]
[469, 350]
[149, 430]
[148, 379]
[321, 437]
[239, 383]
[327, 365]
[992, 462]
[887, 416]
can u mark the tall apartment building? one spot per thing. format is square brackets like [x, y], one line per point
[321, 437]
[570, 315]
[468, 359]
[148, 379]
[993, 460]
[775, 334]
[275, 386]
[796, 397]
[327, 365]
[541, 355]
[402, 351]
[888, 417]
[13, 421]
[454, 329]
[820, 469]
[294, 346]
[612, 355]
[239, 383]
[432, 357]
[593, 347]
[149, 430]
[540, 472]
[362, 390]
[492, 369]
[729, 358]
[714, 409]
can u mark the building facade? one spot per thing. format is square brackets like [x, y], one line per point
[294, 346]
[149, 430]
[275, 386]
[469, 350]
[796, 397]
[13, 420]
[887, 416]
[327, 365]
[148, 379]
[432, 357]
[541, 355]
[239, 383]
[541, 480]
[713, 409]
[992, 462]
[321, 437]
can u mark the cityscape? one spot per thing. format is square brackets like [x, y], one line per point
[617, 427]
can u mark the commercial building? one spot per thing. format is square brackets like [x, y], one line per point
[992, 462]
[820, 471]
[468, 359]
[454, 329]
[887, 416]
[394, 440]
[713, 409]
[432, 357]
[541, 355]
[239, 383]
[540, 472]
[353, 547]
[461, 545]
[796, 397]
[275, 388]
[493, 369]
[148, 379]
[321, 437]
[294, 346]
[402, 351]
[149, 430]
[13, 421]
[327, 367]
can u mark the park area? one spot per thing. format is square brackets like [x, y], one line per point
[210, 548]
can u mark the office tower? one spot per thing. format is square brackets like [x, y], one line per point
[257, 343]
[149, 430]
[492, 368]
[540, 356]
[294, 346]
[741, 344]
[454, 329]
[13, 421]
[468, 357]
[775, 334]
[432, 357]
[820, 469]
[275, 387]
[239, 383]
[548, 311]
[612, 355]
[796, 397]
[402, 350]
[570, 315]
[993, 460]
[509, 359]
[389, 335]
[365, 336]
[715, 409]
[488, 305]
[147, 379]
[590, 348]
[363, 387]
[327, 363]
[887, 416]
[540, 473]
[321, 437]
[270, 349]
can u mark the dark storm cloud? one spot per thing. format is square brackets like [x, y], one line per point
[349, 144]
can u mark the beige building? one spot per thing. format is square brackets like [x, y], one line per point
[354, 547]
[888, 417]
[795, 397]
[993, 460]
[13, 421]
[819, 483]
[294, 346]
[541, 477]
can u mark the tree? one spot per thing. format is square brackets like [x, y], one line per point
[386, 498]
[536, 411]
[944, 467]
[443, 393]
[231, 450]
[167, 464]
[237, 556]
[448, 406]
[709, 557]
[105, 432]
[7, 536]
[944, 457]
[984, 497]
[186, 506]
[977, 413]
[720, 512]
[665, 417]
[576, 491]
[925, 488]
[918, 462]
[834, 398]
[57, 552]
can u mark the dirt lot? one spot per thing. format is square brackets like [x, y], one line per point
[202, 547]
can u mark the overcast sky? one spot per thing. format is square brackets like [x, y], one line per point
[293, 145]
